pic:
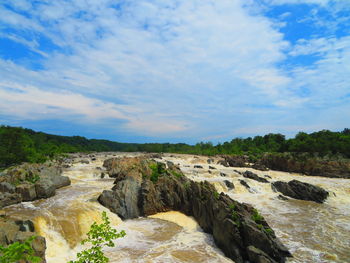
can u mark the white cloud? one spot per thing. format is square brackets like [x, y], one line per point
[164, 67]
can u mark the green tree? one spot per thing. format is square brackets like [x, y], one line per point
[99, 236]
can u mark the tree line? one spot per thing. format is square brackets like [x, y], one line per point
[25, 145]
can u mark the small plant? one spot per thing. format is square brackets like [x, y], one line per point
[187, 185]
[257, 218]
[32, 178]
[216, 195]
[234, 215]
[157, 170]
[232, 207]
[98, 236]
[19, 251]
[268, 231]
[178, 175]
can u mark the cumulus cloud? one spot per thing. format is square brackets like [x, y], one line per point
[183, 68]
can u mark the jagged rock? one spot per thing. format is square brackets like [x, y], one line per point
[300, 190]
[198, 166]
[229, 184]
[258, 256]
[126, 191]
[230, 222]
[253, 176]
[27, 191]
[245, 184]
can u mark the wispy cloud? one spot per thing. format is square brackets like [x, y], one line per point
[171, 68]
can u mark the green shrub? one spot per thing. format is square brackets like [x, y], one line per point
[19, 251]
[256, 216]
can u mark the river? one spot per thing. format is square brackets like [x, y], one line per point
[313, 232]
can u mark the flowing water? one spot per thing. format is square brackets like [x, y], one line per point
[313, 232]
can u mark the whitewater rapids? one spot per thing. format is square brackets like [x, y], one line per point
[313, 232]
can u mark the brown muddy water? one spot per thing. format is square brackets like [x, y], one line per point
[313, 232]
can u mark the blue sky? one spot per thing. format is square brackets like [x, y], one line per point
[175, 71]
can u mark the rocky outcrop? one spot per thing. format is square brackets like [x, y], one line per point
[234, 161]
[19, 231]
[301, 163]
[300, 190]
[144, 187]
[28, 182]
[253, 176]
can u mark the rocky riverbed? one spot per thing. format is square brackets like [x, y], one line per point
[311, 231]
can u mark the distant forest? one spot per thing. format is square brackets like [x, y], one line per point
[24, 145]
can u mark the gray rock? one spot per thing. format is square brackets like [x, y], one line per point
[126, 192]
[60, 181]
[198, 166]
[27, 191]
[245, 184]
[7, 187]
[45, 189]
[253, 176]
[230, 222]
[300, 190]
[229, 184]
[258, 256]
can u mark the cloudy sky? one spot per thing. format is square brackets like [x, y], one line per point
[175, 70]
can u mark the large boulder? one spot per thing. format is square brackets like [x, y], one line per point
[45, 188]
[126, 191]
[237, 228]
[300, 190]
[27, 191]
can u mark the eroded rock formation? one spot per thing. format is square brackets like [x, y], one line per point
[144, 187]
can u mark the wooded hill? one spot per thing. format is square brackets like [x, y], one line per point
[24, 145]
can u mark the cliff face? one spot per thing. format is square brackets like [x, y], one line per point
[144, 187]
